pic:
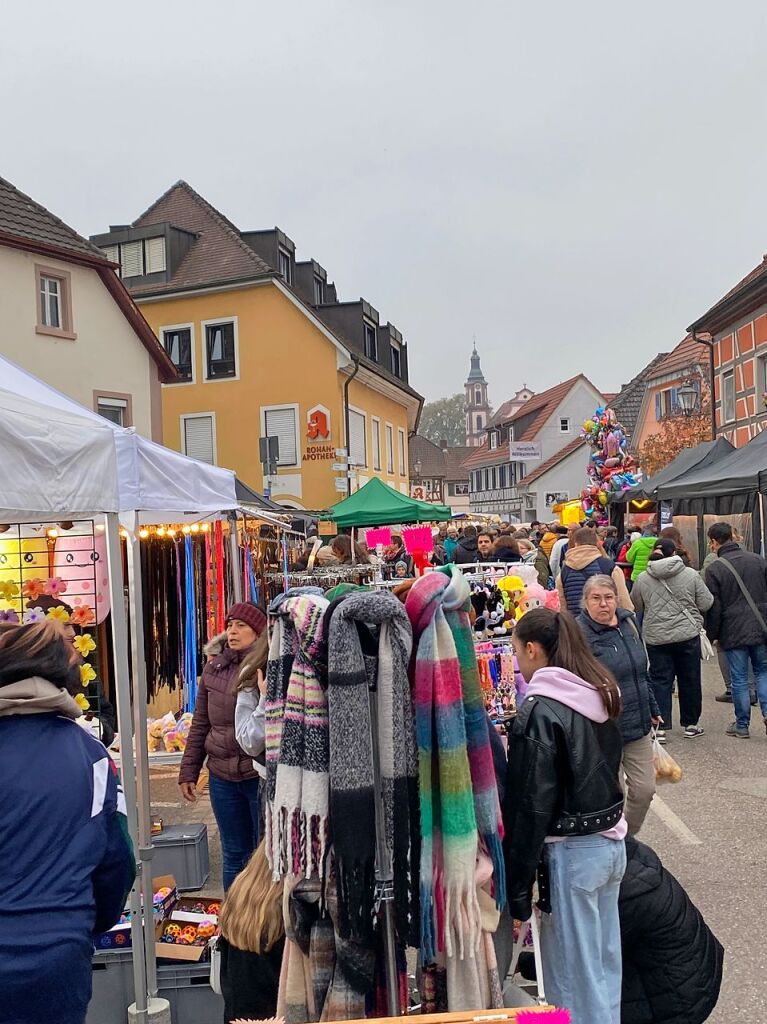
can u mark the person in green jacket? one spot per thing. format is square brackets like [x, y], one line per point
[639, 553]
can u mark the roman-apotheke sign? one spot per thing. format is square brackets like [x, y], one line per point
[525, 451]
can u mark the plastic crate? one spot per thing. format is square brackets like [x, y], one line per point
[112, 987]
[187, 989]
[182, 851]
[185, 986]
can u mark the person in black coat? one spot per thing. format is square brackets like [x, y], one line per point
[672, 961]
[730, 621]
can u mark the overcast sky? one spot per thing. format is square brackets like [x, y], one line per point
[571, 182]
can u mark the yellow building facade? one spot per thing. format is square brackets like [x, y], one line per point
[289, 367]
[263, 348]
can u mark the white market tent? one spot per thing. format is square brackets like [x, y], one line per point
[60, 460]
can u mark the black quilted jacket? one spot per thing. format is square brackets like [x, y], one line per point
[672, 961]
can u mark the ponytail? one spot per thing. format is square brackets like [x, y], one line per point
[561, 639]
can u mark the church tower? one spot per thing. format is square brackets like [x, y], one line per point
[476, 405]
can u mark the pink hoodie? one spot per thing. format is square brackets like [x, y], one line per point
[581, 696]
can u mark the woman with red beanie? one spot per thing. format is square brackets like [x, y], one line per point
[234, 782]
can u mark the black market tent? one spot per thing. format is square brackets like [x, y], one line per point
[688, 460]
[742, 471]
[377, 504]
[247, 496]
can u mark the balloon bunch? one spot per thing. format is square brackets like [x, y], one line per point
[611, 466]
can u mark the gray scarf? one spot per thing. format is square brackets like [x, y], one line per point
[370, 643]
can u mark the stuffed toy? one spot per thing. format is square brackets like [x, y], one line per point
[552, 600]
[533, 597]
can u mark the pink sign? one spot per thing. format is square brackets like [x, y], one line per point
[380, 535]
[418, 538]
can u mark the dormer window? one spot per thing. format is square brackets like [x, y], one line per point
[319, 290]
[511, 432]
[493, 440]
[371, 342]
[396, 359]
[144, 256]
[286, 269]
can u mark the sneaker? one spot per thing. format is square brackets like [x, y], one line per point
[691, 732]
[724, 698]
[660, 735]
[754, 700]
[733, 730]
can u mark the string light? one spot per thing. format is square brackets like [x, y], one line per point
[195, 527]
[143, 534]
[160, 531]
[52, 533]
[186, 529]
[171, 533]
[205, 527]
[124, 534]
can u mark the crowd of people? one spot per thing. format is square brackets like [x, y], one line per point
[575, 789]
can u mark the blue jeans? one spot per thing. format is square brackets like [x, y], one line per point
[236, 807]
[738, 660]
[581, 937]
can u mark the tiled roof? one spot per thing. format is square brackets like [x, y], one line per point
[431, 456]
[554, 460]
[436, 461]
[688, 353]
[504, 413]
[754, 275]
[628, 404]
[454, 459]
[219, 254]
[22, 217]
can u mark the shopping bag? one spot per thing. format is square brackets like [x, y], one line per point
[706, 650]
[666, 768]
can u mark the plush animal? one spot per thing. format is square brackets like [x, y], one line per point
[533, 597]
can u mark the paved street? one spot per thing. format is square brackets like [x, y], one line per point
[710, 830]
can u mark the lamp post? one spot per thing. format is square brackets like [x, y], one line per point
[687, 397]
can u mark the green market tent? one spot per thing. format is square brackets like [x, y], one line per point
[377, 504]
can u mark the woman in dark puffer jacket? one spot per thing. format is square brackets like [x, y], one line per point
[672, 961]
[234, 782]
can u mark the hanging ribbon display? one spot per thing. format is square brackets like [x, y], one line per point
[220, 593]
[190, 629]
[209, 614]
[285, 562]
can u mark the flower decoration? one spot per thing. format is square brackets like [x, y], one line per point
[8, 590]
[82, 701]
[9, 615]
[84, 644]
[55, 587]
[87, 674]
[33, 615]
[58, 614]
[82, 615]
[33, 588]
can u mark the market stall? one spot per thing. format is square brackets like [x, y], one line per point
[377, 504]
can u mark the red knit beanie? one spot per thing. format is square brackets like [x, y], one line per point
[248, 613]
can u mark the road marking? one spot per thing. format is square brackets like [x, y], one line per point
[674, 823]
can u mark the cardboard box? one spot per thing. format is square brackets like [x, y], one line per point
[183, 909]
[170, 951]
[120, 936]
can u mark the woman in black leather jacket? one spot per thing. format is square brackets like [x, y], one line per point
[564, 808]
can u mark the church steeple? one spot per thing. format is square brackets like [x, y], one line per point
[476, 404]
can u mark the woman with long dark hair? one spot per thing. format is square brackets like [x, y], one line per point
[564, 810]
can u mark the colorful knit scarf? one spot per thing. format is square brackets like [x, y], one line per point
[456, 602]
[450, 918]
[370, 643]
[297, 826]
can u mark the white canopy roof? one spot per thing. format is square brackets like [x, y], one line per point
[58, 457]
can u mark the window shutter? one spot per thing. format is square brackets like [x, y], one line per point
[132, 259]
[674, 401]
[376, 444]
[155, 255]
[281, 423]
[357, 439]
[198, 439]
[402, 452]
[658, 406]
[112, 253]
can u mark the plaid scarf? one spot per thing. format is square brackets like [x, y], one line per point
[456, 601]
[370, 643]
[449, 906]
[297, 826]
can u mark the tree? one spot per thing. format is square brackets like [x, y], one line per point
[444, 420]
[676, 433]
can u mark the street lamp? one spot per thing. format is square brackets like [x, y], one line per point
[418, 466]
[687, 397]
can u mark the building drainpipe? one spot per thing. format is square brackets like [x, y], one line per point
[709, 342]
[349, 379]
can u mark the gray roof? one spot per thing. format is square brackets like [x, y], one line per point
[23, 218]
[628, 403]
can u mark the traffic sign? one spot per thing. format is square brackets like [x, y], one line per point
[339, 467]
[341, 453]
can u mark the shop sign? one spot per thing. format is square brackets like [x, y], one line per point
[341, 483]
[318, 423]
[525, 451]
[320, 453]
[327, 528]
[666, 514]
[556, 498]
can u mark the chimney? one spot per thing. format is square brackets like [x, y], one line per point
[443, 444]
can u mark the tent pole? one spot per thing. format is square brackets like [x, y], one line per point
[125, 730]
[762, 524]
[235, 558]
[146, 850]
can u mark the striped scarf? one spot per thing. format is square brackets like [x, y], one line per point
[297, 824]
[370, 643]
[450, 917]
[456, 602]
